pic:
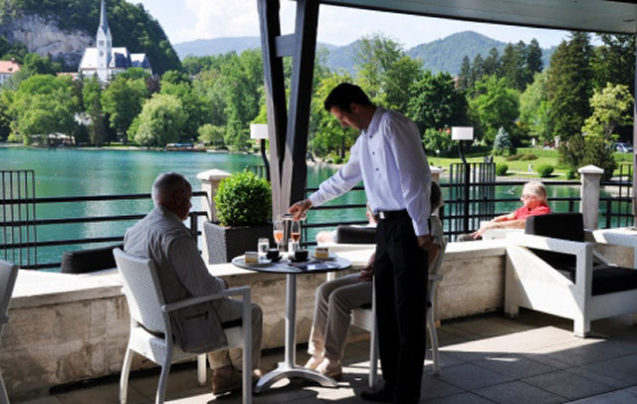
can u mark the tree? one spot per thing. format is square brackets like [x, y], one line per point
[91, 96]
[495, 106]
[374, 59]
[135, 73]
[435, 103]
[464, 78]
[534, 108]
[42, 105]
[502, 142]
[437, 141]
[195, 106]
[327, 135]
[160, 121]
[123, 100]
[614, 61]
[492, 62]
[533, 58]
[36, 64]
[477, 69]
[569, 85]
[612, 107]
[513, 65]
[211, 134]
[6, 99]
[242, 87]
[584, 150]
[398, 79]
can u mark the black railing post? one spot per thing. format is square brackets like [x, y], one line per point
[608, 213]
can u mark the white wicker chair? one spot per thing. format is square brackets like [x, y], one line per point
[365, 318]
[8, 275]
[150, 323]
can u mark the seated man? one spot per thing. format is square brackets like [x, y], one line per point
[336, 299]
[534, 200]
[162, 237]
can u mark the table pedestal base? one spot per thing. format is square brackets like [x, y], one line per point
[285, 371]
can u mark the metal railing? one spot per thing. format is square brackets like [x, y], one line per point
[450, 213]
[8, 246]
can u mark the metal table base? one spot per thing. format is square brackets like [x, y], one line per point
[288, 368]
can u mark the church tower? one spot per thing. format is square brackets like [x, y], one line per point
[104, 43]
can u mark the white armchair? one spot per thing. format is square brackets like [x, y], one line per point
[8, 275]
[151, 333]
[557, 275]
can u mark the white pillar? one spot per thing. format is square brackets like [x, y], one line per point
[209, 182]
[589, 206]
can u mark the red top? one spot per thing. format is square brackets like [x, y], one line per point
[524, 212]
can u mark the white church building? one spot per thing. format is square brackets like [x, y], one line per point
[104, 61]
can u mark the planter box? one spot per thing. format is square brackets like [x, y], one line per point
[225, 243]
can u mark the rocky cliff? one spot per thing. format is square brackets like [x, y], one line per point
[43, 35]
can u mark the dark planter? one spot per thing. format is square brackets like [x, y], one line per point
[225, 243]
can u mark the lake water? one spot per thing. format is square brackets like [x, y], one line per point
[74, 172]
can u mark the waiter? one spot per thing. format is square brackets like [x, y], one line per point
[389, 158]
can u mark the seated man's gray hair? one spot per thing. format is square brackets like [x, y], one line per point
[166, 184]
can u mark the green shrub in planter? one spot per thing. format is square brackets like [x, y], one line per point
[243, 199]
[501, 169]
[545, 170]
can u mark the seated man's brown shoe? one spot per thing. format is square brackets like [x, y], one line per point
[225, 379]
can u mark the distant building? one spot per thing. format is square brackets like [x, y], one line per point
[104, 61]
[7, 69]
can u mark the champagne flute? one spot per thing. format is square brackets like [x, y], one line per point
[277, 228]
[295, 231]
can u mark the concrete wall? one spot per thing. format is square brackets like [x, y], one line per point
[65, 328]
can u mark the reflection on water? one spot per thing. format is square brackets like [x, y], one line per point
[68, 172]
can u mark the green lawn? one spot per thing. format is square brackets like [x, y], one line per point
[520, 168]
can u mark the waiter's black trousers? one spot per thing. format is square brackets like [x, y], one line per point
[400, 271]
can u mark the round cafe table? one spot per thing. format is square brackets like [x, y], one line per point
[288, 368]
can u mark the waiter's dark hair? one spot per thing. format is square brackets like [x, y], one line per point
[435, 197]
[343, 95]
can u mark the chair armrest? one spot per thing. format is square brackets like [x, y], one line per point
[435, 277]
[240, 291]
[550, 244]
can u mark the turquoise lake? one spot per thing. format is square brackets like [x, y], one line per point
[74, 172]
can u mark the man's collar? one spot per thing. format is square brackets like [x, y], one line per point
[167, 213]
[373, 124]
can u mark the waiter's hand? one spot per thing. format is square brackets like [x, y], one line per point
[426, 242]
[299, 208]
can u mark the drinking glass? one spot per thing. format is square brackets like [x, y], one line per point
[295, 231]
[264, 246]
[277, 228]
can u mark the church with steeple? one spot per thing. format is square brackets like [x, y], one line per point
[104, 61]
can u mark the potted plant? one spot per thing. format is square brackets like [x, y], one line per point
[244, 207]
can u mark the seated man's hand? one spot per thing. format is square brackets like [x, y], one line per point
[367, 273]
[299, 208]
[425, 242]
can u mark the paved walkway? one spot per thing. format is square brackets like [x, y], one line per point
[485, 359]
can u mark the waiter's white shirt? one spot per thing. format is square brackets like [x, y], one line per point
[389, 158]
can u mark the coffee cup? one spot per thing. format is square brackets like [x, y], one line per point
[300, 255]
[273, 254]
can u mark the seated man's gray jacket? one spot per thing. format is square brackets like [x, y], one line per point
[162, 237]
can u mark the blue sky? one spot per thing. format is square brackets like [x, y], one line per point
[202, 19]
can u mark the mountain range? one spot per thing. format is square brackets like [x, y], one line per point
[442, 55]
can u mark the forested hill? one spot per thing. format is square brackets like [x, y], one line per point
[442, 55]
[63, 28]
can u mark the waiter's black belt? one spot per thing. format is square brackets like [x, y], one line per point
[391, 214]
